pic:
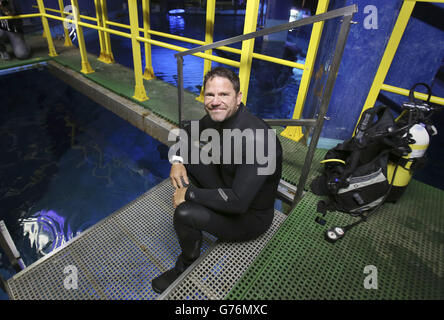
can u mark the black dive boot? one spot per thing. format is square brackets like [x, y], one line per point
[163, 281]
[190, 252]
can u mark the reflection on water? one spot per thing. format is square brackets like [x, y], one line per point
[46, 230]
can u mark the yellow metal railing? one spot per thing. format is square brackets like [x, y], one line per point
[386, 61]
[295, 133]
[102, 25]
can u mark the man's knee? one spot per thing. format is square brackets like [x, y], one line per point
[191, 214]
[184, 213]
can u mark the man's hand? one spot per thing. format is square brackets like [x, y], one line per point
[177, 172]
[179, 196]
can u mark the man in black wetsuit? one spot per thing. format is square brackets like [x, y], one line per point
[233, 197]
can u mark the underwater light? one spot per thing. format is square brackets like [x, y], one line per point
[176, 11]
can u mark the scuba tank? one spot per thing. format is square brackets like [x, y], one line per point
[420, 142]
[415, 115]
[376, 164]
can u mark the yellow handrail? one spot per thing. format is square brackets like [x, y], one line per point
[223, 48]
[226, 61]
[21, 16]
[417, 95]
[259, 56]
[69, 13]
[103, 27]
[155, 42]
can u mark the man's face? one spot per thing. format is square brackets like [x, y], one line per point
[221, 101]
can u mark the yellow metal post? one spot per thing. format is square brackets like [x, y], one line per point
[68, 42]
[46, 30]
[209, 31]
[295, 133]
[109, 54]
[148, 74]
[389, 53]
[250, 24]
[139, 92]
[86, 67]
[98, 6]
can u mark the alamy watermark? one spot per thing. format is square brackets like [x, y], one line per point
[248, 146]
[71, 280]
[371, 18]
[371, 281]
[68, 24]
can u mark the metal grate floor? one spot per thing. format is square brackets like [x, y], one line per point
[115, 259]
[215, 273]
[404, 241]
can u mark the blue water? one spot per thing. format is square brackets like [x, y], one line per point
[66, 163]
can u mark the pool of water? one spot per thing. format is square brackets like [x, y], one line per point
[66, 163]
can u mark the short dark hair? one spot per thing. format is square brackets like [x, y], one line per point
[224, 73]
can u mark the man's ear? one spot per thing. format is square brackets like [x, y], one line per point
[239, 98]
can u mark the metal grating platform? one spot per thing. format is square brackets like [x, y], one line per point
[215, 273]
[116, 259]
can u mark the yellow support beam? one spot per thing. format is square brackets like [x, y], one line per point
[148, 74]
[228, 62]
[68, 42]
[65, 13]
[209, 31]
[86, 67]
[108, 52]
[102, 56]
[389, 53]
[88, 25]
[21, 16]
[46, 30]
[295, 133]
[139, 91]
[250, 24]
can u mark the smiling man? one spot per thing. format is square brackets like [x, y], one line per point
[222, 96]
[231, 199]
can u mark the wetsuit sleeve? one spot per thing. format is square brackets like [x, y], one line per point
[235, 200]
